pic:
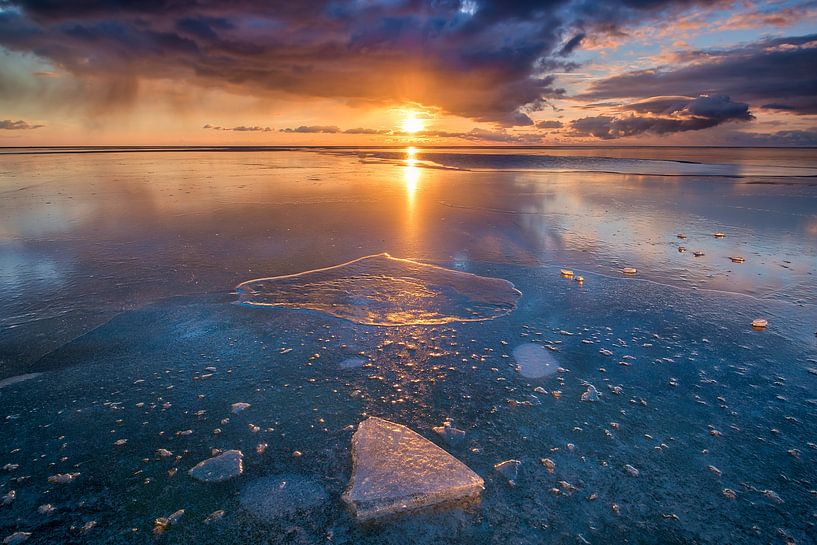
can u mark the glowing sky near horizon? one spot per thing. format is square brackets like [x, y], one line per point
[392, 72]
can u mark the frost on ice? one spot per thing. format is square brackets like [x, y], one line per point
[397, 470]
[534, 361]
[225, 466]
[382, 290]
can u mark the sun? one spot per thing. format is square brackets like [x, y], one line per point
[412, 124]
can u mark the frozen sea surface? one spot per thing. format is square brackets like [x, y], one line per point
[117, 276]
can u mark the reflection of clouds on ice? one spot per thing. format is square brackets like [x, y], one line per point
[19, 269]
[382, 290]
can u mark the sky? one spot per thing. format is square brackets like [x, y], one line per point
[406, 72]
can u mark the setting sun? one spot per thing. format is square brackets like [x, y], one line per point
[412, 124]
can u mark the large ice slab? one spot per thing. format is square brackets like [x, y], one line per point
[383, 290]
[397, 470]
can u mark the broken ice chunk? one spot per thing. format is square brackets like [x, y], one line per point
[591, 394]
[63, 478]
[220, 468]
[16, 538]
[509, 469]
[163, 523]
[397, 470]
[631, 471]
[238, 407]
[8, 498]
[447, 431]
[534, 361]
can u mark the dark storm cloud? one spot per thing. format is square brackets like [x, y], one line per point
[486, 59]
[778, 73]
[19, 125]
[549, 125]
[664, 115]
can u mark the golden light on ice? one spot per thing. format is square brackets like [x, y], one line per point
[412, 123]
[411, 174]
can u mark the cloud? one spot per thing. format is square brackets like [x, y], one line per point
[330, 129]
[361, 130]
[771, 71]
[549, 125]
[19, 125]
[664, 115]
[489, 62]
[240, 128]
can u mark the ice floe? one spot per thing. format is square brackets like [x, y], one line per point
[226, 465]
[383, 290]
[397, 470]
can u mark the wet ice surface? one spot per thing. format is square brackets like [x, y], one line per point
[383, 290]
[703, 430]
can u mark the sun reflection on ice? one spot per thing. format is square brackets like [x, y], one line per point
[411, 175]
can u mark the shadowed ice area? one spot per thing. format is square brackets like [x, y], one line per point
[382, 290]
[130, 362]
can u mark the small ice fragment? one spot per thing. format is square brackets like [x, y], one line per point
[17, 538]
[591, 394]
[397, 470]
[447, 431]
[163, 453]
[631, 471]
[63, 478]
[45, 509]
[566, 273]
[718, 234]
[163, 523]
[772, 495]
[715, 470]
[214, 516]
[278, 497]
[549, 465]
[120, 442]
[759, 323]
[534, 361]
[238, 407]
[629, 270]
[10, 496]
[509, 469]
[225, 466]
[10, 467]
